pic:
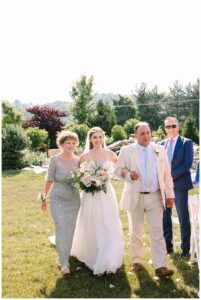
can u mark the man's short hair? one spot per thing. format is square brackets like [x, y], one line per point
[140, 124]
[172, 119]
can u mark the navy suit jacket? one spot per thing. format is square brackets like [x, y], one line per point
[181, 163]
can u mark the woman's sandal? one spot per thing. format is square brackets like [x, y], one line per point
[65, 271]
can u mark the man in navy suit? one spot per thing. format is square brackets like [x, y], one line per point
[180, 156]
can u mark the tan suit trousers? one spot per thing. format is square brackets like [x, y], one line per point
[151, 206]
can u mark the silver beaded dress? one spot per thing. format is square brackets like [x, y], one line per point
[64, 204]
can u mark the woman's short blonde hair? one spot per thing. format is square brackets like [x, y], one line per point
[66, 135]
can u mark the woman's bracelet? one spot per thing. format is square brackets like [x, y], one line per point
[42, 197]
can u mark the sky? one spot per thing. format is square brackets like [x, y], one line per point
[48, 44]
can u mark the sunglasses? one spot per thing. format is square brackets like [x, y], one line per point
[170, 126]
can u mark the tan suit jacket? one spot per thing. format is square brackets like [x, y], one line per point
[129, 158]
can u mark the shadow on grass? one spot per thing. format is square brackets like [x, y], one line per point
[83, 284]
[161, 288]
[10, 173]
[189, 272]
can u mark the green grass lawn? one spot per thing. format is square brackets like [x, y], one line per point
[29, 268]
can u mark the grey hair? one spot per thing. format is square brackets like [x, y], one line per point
[172, 118]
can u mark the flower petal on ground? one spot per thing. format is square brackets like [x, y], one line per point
[111, 286]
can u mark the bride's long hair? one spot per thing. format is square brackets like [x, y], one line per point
[89, 145]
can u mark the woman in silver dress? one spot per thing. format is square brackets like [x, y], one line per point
[64, 197]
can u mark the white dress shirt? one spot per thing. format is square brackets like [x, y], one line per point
[155, 184]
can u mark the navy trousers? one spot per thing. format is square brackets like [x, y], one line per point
[181, 203]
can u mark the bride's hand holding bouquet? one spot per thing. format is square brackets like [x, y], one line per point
[91, 177]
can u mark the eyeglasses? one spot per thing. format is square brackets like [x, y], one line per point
[170, 126]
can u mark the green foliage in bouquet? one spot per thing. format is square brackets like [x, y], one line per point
[91, 177]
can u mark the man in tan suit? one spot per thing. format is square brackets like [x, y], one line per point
[148, 187]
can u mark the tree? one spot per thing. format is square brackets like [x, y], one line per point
[46, 118]
[10, 115]
[82, 95]
[192, 95]
[149, 105]
[103, 117]
[175, 104]
[14, 140]
[157, 109]
[189, 130]
[124, 109]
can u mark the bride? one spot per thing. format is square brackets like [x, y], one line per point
[98, 239]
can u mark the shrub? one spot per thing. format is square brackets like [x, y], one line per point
[118, 133]
[37, 137]
[159, 133]
[14, 140]
[81, 130]
[34, 158]
[46, 118]
[189, 130]
[129, 126]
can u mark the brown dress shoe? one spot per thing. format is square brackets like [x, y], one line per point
[136, 266]
[163, 271]
[110, 273]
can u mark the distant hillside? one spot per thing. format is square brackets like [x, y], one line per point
[61, 105]
[106, 97]
[64, 105]
[110, 97]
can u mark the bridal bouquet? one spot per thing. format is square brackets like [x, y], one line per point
[91, 177]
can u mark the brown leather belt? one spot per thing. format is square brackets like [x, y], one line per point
[145, 193]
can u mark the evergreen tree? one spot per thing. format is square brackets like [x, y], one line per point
[103, 117]
[82, 95]
[10, 115]
[150, 105]
[157, 112]
[189, 130]
[192, 95]
[176, 105]
[14, 140]
[124, 109]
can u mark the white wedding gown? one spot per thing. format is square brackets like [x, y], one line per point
[98, 240]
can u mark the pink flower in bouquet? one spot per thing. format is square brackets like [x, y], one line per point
[124, 172]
